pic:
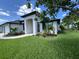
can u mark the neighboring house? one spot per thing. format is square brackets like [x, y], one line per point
[71, 25]
[30, 24]
[6, 27]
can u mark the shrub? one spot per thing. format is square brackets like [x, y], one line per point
[13, 29]
[62, 27]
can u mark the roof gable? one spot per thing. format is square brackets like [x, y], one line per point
[29, 14]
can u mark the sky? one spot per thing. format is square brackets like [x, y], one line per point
[13, 9]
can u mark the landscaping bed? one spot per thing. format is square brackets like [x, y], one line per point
[14, 34]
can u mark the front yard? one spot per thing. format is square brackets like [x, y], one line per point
[64, 46]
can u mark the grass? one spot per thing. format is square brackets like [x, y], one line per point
[64, 46]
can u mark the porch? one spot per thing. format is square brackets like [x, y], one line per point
[32, 26]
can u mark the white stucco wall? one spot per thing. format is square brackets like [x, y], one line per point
[55, 27]
[41, 27]
[34, 27]
[6, 28]
[18, 26]
[30, 25]
[1, 29]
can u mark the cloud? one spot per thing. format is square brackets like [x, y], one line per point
[24, 10]
[3, 21]
[38, 9]
[1, 9]
[64, 15]
[4, 13]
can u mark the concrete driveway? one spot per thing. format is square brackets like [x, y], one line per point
[1, 35]
[14, 37]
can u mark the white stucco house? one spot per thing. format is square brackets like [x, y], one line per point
[1, 29]
[29, 25]
[33, 25]
[6, 27]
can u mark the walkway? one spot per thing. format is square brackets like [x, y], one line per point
[14, 37]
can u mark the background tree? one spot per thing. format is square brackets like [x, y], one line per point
[44, 19]
[53, 6]
[71, 19]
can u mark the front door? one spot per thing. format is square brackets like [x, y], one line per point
[29, 26]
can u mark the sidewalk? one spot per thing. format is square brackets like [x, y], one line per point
[14, 37]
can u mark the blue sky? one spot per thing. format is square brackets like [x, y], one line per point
[9, 9]
[12, 9]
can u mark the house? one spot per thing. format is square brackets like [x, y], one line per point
[30, 24]
[8, 26]
[55, 25]
[33, 25]
[1, 29]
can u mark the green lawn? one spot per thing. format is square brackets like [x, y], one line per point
[64, 46]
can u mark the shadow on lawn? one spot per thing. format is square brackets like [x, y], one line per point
[65, 48]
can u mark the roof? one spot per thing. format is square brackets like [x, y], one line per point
[47, 21]
[32, 13]
[13, 22]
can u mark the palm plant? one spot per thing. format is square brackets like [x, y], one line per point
[13, 30]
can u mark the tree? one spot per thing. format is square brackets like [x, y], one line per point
[54, 5]
[71, 19]
[44, 19]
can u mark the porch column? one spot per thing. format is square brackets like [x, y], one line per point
[34, 27]
[25, 24]
[3, 29]
[55, 27]
[41, 28]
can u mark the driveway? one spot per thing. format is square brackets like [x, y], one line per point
[14, 37]
[1, 35]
